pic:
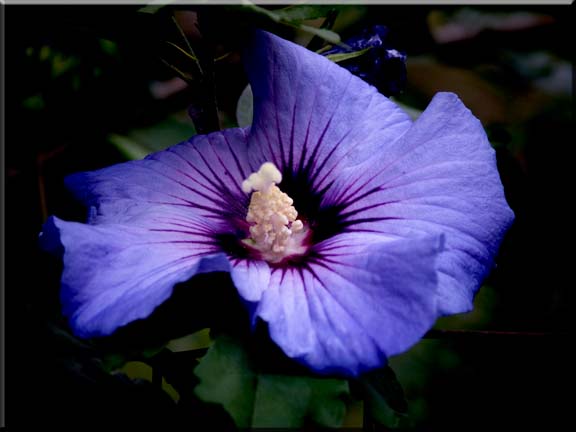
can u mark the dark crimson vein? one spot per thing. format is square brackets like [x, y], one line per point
[224, 188]
[291, 151]
[196, 233]
[275, 104]
[311, 165]
[328, 156]
[201, 228]
[346, 224]
[200, 242]
[185, 174]
[315, 174]
[347, 197]
[228, 170]
[365, 208]
[304, 150]
[235, 156]
[270, 147]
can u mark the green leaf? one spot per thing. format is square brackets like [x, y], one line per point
[37, 103]
[298, 13]
[281, 402]
[284, 401]
[191, 342]
[154, 6]
[152, 351]
[327, 407]
[228, 376]
[128, 147]
[384, 398]
[113, 361]
[336, 58]
[141, 142]
[261, 15]
[327, 35]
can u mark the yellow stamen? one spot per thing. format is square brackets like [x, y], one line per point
[272, 216]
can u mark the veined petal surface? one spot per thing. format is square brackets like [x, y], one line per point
[153, 223]
[313, 118]
[350, 306]
[117, 273]
[202, 175]
[439, 177]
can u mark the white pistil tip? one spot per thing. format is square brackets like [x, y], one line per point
[266, 176]
[272, 215]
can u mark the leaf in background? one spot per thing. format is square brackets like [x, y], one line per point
[347, 56]
[298, 13]
[154, 6]
[384, 397]
[227, 378]
[280, 402]
[253, 399]
[35, 103]
[113, 361]
[327, 35]
[137, 370]
[292, 18]
[327, 401]
[191, 342]
[152, 351]
[284, 401]
[129, 148]
[141, 142]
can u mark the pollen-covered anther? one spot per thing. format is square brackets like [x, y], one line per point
[272, 215]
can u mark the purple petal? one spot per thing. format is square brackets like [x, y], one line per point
[440, 177]
[202, 175]
[116, 273]
[313, 118]
[348, 312]
[155, 223]
[251, 278]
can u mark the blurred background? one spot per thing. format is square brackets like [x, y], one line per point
[87, 87]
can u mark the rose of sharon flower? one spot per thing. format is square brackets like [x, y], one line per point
[344, 225]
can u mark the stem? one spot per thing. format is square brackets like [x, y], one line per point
[204, 109]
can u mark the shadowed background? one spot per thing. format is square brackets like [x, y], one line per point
[85, 88]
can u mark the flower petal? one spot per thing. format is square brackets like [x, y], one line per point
[116, 273]
[251, 278]
[312, 117]
[202, 175]
[346, 313]
[440, 177]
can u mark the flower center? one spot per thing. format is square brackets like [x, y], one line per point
[275, 231]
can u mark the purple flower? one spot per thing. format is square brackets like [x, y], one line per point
[382, 66]
[371, 227]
